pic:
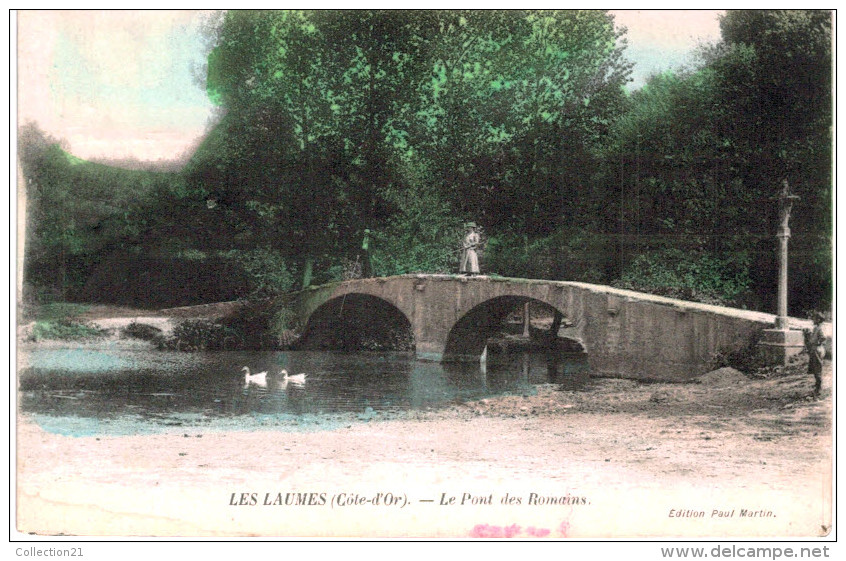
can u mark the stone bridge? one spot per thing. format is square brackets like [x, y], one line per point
[624, 333]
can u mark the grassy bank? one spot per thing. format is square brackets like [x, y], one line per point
[59, 321]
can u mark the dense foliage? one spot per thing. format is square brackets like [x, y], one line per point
[699, 156]
[408, 123]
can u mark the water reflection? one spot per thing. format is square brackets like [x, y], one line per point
[158, 386]
[569, 370]
[510, 371]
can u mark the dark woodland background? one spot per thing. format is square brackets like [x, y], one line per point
[409, 123]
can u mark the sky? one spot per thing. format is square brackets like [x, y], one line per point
[130, 84]
[659, 40]
[115, 84]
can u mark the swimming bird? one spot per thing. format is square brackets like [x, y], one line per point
[295, 379]
[258, 378]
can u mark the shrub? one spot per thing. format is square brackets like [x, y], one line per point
[690, 275]
[267, 272]
[423, 237]
[63, 329]
[565, 255]
[748, 359]
[256, 324]
[142, 331]
[200, 335]
[251, 324]
[282, 319]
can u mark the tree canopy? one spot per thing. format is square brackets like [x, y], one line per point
[700, 155]
[407, 123]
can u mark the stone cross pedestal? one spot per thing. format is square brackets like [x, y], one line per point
[781, 343]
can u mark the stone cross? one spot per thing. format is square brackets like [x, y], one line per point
[785, 204]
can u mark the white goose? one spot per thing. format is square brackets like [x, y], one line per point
[295, 379]
[258, 378]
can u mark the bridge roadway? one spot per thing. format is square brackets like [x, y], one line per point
[625, 333]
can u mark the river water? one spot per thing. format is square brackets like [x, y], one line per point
[117, 391]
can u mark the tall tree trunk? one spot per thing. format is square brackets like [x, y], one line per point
[307, 268]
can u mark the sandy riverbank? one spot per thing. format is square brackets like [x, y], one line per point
[623, 459]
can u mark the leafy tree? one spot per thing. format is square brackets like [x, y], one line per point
[78, 211]
[458, 129]
[373, 64]
[264, 170]
[514, 102]
[315, 102]
[353, 105]
[407, 123]
[699, 149]
[423, 235]
[782, 120]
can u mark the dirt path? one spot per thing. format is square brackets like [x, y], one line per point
[625, 459]
[112, 319]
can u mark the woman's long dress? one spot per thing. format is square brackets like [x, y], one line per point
[470, 258]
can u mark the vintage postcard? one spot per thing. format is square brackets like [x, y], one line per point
[530, 274]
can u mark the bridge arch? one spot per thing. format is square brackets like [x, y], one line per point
[357, 321]
[469, 335]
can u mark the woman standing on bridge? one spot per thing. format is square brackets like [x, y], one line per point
[469, 253]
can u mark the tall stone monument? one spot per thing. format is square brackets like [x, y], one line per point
[781, 343]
